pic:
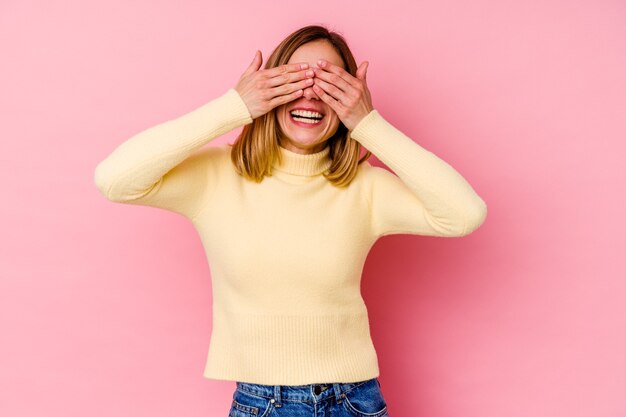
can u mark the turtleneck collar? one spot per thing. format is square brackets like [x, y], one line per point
[307, 165]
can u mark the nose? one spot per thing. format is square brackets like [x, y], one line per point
[310, 94]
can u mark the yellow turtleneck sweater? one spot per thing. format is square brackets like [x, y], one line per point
[286, 254]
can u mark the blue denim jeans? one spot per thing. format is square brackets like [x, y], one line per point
[353, 399]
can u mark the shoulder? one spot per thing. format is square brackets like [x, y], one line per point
[208, 160]
[370, 172]
[367, 175]
[211, 155]
[374, 177]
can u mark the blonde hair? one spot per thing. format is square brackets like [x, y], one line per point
[257, 147]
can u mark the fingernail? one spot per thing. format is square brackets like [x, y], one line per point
[304, 66]
[321, 63]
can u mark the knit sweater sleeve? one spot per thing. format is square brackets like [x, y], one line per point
[163, 166]
[427, 197]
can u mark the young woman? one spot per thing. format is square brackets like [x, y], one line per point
[287, 215]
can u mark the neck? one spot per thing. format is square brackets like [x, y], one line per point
[310, 164]
[314, 149]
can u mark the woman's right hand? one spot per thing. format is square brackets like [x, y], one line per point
[262, 90]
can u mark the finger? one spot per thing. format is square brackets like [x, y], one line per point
[255, 64]
[288, 88]
[336, 69]
[362, 71]
[284, 69]
[327, 98]
[290, 77]
[332, 78]
[331, 89]
[277, 101]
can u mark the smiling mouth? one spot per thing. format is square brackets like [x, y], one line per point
[309, 120]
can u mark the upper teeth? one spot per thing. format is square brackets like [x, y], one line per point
[307, 113]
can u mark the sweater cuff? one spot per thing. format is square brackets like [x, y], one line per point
[364, 131]
[234, 102]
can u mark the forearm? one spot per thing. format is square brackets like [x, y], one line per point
[138, 163]
[447, 197]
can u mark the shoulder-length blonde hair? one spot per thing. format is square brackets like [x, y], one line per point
[257, 147]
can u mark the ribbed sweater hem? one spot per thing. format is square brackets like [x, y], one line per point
[291, 349]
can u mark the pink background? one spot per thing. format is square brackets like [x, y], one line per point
[105, 308]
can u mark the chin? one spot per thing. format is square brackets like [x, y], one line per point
[306, 138]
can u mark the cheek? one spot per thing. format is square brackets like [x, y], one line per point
[281, 116]
[333, 125]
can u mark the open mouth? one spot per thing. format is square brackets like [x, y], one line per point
[301, 117]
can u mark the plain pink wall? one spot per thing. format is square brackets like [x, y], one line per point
[105, 308]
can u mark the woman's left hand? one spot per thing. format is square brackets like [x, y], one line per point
[348, 96]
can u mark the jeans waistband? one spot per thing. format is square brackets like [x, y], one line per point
[304, 393]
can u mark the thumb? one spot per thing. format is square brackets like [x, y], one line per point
[361, 72]
[256, 62]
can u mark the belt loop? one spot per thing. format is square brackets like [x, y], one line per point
[338, 394]
[277, 396]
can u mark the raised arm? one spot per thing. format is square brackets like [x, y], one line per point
[427, 196]
[158, 167]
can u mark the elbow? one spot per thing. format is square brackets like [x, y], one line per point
[104, 182]
[101, 180]
[116, 187]
[475, 217]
